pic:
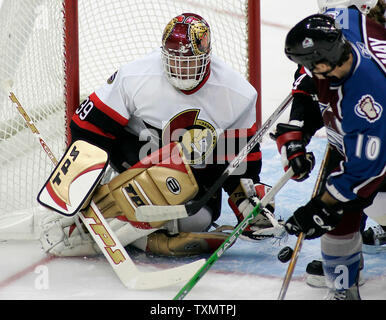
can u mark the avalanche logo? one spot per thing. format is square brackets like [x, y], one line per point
[197, 137]
[307, 43]
[363, 49]
[368, 109]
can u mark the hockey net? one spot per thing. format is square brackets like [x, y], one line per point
[35, 56]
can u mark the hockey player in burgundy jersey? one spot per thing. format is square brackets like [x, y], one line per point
[179, 93]
[345, 95]
[374, 237]
[305, 106]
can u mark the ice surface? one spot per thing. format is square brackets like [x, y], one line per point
[247, 271]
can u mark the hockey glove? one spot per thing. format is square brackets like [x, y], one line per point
[243, 200]
[314, 219]
[291, 145]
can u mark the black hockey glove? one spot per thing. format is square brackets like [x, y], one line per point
[314, 219]
[291, 145]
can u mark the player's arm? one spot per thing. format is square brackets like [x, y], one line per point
[305, 119]
[102, 119]
[245, 189]
[363, 170]
[361, 173]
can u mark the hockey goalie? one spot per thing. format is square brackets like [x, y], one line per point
[162, 178]
[179, 93]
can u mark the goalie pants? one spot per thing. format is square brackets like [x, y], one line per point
[341, 247]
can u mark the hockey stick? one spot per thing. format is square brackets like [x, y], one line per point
[301, 237]
[233, 236]
[159, 213]
[109, 243]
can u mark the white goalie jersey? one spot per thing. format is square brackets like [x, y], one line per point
[140, 90]
[137, 111]
[139, 97]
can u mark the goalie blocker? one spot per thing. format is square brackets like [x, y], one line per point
[72, 183]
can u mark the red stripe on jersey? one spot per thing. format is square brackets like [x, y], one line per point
[98, 103]
[254, 156]
[241, 133]
[301, 91]
[90, 127]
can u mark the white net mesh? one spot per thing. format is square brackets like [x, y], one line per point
[31, 58]
[130, 29]
[111, 33]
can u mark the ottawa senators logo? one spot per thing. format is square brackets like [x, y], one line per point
[200, 36]
[197, 137]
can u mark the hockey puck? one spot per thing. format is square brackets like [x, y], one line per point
[285, 254]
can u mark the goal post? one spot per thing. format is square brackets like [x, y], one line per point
[54, 53]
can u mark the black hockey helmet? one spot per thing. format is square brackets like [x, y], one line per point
[313, 40]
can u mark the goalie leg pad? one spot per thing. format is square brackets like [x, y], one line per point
[67, 237]
[184, 243]
[200, 221]
[62, 236]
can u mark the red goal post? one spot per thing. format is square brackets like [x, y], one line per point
[55, 53]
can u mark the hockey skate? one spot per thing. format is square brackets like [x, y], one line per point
[374, 239]
[316, 278]
[351, 293]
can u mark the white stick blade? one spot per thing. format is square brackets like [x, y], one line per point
[160, 213]
[165, 278]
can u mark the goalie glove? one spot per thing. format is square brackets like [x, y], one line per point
[243, 200]
[291, 145]
[314, 219]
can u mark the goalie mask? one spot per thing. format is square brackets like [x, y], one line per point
[186, 51]
[363, 6]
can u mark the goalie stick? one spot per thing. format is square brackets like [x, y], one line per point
[301, 237]
[233, 236]
[109, 243]
[159, 213]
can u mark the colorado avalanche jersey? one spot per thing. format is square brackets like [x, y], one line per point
[357, 102]
[138, 110]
